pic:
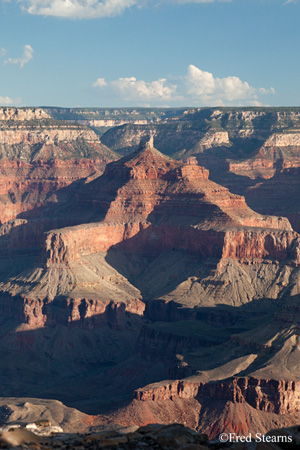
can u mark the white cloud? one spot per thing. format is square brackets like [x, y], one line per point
[100, 82]
[205, 87]
[133, 90]
[8, 101]
[266, 91]
[183, 2]
[92, 9]
[198, 82]
[24, 59]
[256, 103]
[2, 52]
[77, 9]
[197, 87]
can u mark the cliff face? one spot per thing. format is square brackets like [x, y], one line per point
[172, 391]
[68, 245]
[262, 244]
[47, 136]
[48, 141]
[27, 187]
[233, 133]
[29, 134]
[279, 152]
[40, 156]
[23, 114]
[240, 406]
[83, 313]
[280, 397]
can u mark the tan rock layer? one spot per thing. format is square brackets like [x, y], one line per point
[48, 135]
[22, 114]
[283, 140]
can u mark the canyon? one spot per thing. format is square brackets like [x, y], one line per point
[145, 287]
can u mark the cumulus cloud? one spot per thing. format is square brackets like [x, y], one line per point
[24, 59]
[8, 101]
[205, 87]
[197, 87]
[100, 82]
[134, 90]
[2, 52]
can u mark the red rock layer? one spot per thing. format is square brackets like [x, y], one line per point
[280, 151]
[261, 244]
[150, 203]
[26, 186]
[280, 397]
[76, 312]
[240, 405]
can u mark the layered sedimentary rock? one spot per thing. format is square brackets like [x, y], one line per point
[252, 151]
[48, 140]
[27, 186]
[158, 204]
[52, 134]
[241, 406]
[23, 114]
[279, 152]
[280, 397]
[215, 139]
[39, 156]
[150, 205]
[152, 271]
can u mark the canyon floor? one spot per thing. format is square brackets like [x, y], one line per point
[142, 289]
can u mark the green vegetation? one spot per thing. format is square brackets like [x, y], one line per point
[113, 113]
[40, 124]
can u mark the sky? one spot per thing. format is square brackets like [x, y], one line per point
[168, 53]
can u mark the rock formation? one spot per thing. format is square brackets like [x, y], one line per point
[252, 151]
[159, 203]
[23, 114]
[39, 156]
[148, 272]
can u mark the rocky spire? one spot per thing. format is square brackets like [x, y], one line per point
[147, 142]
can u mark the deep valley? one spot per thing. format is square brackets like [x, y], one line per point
[150, 267]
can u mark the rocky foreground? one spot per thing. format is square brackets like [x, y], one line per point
[41, 436]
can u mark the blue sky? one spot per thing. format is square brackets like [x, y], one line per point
[149, 52]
